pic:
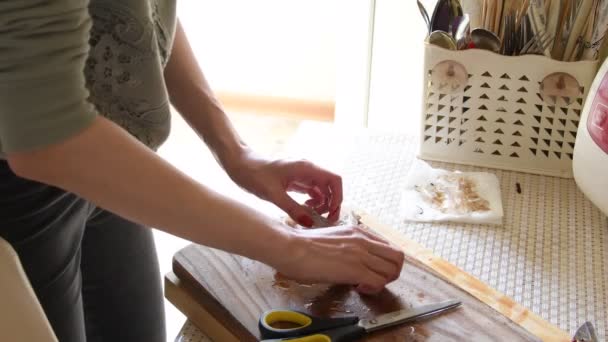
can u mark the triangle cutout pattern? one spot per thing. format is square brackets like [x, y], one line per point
[444, 127]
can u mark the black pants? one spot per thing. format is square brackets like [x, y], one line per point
[95, 274]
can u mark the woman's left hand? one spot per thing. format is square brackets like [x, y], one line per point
[271, 180]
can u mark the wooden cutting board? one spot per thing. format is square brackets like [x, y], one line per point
[224, 295]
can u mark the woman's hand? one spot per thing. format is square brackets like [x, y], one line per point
[271, 180]
[341, 255]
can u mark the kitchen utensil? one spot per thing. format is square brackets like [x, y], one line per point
[443, 39]
[563, 29]
[486, 40]
[515, 29]
[522, 26]
[538, 44]
[585, 333]
[600, 30]
[508, 9]
[586, 34]
[553, 18]
[590, 163]
[538, 19]
[474, 9]
[456, 12]
[318, 220]
[509, 30]
[303, 327]
[582, 15]
[425, 16]
[522, 10]
[489, 14]
[463, 31]
[441, 16]
[444, 14]
[496, 28]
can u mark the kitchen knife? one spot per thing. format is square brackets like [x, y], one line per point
[585, 333]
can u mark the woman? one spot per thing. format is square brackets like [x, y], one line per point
[79, 179]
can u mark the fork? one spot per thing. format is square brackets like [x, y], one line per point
[540, 43]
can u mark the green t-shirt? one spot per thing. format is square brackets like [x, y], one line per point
[62, 62]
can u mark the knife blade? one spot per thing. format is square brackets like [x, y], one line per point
[319, 221]
[585, 333]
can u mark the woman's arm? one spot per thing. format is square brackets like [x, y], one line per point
[191, 95]
[193, 98]
[106, 165]
[51, 134]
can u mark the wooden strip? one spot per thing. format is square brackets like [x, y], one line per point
[177, 292]
[499, 302]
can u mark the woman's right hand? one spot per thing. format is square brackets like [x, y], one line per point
[341, 255]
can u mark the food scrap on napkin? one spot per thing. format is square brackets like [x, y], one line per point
[433, 195]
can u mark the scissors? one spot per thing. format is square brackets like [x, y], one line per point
[309, 328]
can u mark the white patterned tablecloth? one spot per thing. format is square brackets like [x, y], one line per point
[550, 254]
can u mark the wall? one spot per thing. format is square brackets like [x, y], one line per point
[397, 63]
[265, 47]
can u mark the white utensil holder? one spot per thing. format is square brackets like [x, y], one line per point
[516, 113]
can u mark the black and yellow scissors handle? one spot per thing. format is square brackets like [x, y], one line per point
[306, 328]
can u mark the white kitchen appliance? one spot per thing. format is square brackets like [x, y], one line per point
[590, 162]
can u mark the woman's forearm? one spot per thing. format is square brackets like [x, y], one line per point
[110, 168]
[193, 98]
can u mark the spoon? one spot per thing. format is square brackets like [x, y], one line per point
[445, 12]
[463, 30]
[425, 16]
[486, 40]
[456, 12]
[442, 39]
[473, 8]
